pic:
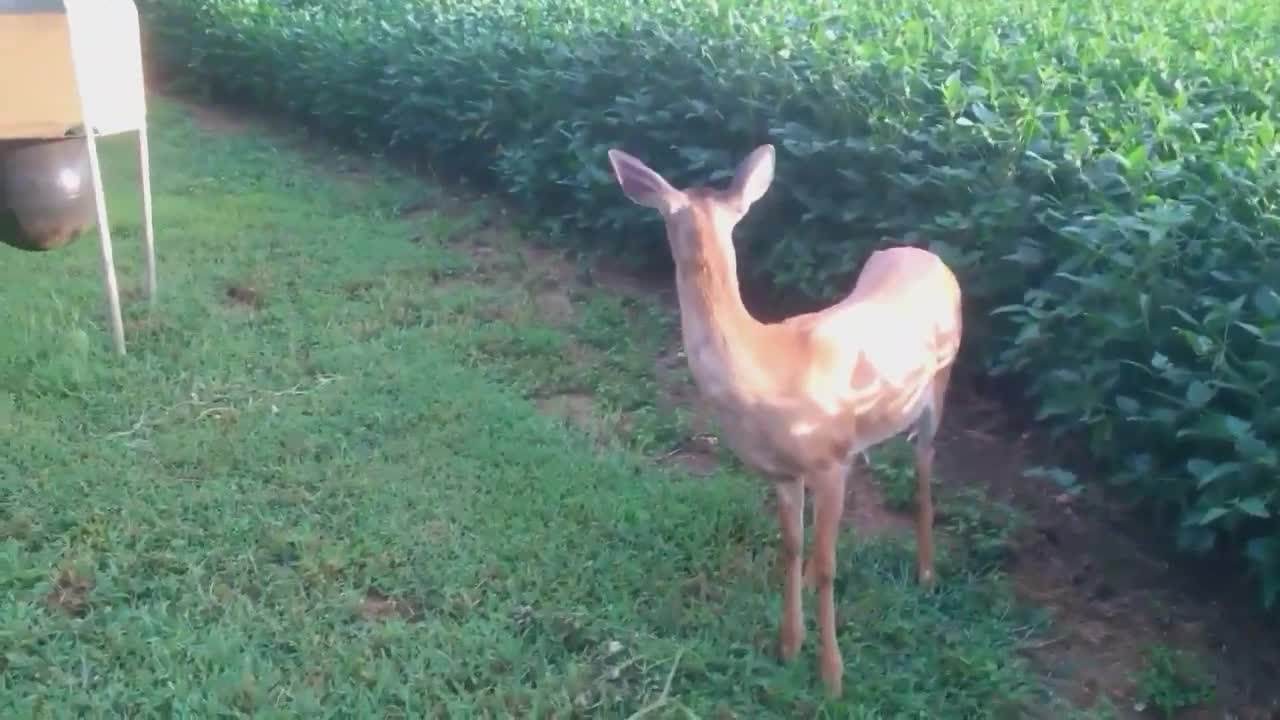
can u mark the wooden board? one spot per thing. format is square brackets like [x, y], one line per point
[37, 79]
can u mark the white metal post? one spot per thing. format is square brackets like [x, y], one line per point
[105, 254]
[148, 231]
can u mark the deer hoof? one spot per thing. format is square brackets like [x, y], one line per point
[927, 578]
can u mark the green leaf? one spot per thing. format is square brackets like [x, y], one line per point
[1199, 394]
[1239, 428]
[1206, 472]
[1136, 159]
[1254, 506]
[1211, 515]
[1264, 550]
[1267, 302]
[953, 95]
[1253, 330]
[985, 116]
[1266, 132]
[1128, 405]
[1027, 254]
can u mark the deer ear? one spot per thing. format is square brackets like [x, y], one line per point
[642, 185]
[753, 177]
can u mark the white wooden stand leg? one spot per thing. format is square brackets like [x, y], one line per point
[148, 230]
[104, 246]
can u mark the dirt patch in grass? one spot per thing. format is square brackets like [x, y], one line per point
[576, 408]
[378, 607]
[866, 509]
[357, 288]
[246, 296]
[697, 454]
[70, 593]
[555, 306]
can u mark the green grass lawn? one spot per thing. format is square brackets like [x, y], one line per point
[320, 485]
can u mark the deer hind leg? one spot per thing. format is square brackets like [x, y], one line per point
[828, 501]
[790, 496]
[925, 432]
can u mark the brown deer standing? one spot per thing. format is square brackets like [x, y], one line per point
[797, 400]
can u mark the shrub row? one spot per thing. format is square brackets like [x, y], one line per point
[1103, 176]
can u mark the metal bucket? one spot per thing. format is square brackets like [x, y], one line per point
[46, 192]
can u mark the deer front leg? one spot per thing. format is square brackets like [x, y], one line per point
[926, 431]
[924, 513]
[790, 495]
[828, 501]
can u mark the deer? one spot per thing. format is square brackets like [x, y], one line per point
[799, 399]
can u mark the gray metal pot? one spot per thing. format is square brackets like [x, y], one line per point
[46, 192]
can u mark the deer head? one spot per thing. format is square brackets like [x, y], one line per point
[699, 220]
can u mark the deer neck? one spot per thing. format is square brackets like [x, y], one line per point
[720, 335]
